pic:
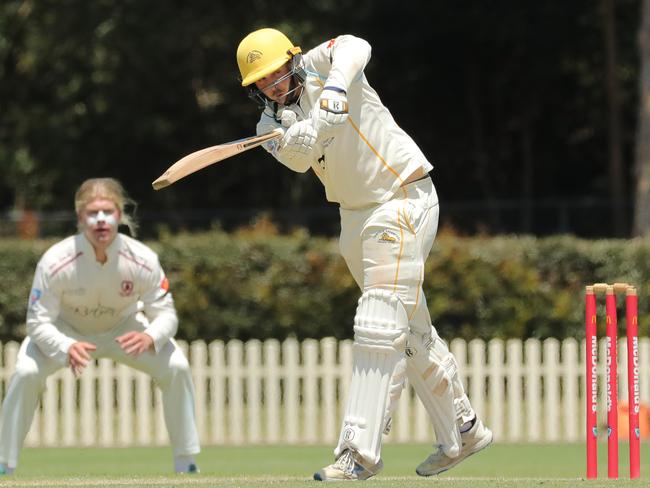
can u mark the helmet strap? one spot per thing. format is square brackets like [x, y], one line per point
[257, 96]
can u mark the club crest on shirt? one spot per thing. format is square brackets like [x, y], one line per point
[126, 288]
[387, 236]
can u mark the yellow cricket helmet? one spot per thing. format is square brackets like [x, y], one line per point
[262, 52]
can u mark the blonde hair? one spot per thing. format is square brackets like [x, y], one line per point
[110, 189]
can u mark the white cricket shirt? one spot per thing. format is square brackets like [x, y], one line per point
[371, 156]
[92, 298]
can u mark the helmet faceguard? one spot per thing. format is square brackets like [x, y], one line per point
[296, 73]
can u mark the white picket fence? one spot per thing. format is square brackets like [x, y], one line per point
[293, 393]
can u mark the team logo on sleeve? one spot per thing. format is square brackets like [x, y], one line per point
[34, 296]
[126, 288]
[164, 284]
[387, 236]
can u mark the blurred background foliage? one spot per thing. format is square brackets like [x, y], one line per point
[257, 283]
[508, 100]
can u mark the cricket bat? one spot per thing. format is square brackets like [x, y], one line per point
[205, 157]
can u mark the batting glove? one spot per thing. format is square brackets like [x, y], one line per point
[298, 140]
[288, 117]
[331, 110]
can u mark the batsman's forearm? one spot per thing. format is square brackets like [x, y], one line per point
[350, 55]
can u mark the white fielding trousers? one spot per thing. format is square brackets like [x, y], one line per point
[169, 369]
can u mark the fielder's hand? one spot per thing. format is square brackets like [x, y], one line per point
[298, 140]
[79, 355]
[135, 343]
[331, 110]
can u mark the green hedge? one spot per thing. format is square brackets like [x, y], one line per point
[257, 284]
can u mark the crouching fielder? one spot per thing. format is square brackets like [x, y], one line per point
[335, 124]
[100, 294]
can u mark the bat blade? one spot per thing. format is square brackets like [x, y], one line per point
[205, 157]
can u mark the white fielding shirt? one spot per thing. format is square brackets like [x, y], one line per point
[367, 161]
[70, 286]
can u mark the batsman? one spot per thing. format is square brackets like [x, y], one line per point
[335, 124]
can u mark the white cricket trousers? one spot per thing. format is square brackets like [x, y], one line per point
[169, 368]
[386, 246]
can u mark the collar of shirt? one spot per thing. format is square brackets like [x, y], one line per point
[84, 245]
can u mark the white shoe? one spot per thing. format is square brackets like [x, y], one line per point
[475, 439]
[348, 467]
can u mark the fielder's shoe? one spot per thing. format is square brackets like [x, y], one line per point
[475, 439]
[191, 469]
[185, 465]
[348, 467]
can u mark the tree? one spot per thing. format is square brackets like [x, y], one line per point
[614, 129]
[507, 101]
[642, 200]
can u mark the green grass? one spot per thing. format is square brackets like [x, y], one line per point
[501, 465]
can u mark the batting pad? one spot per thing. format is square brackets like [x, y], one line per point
[380, 327]
[433, 372]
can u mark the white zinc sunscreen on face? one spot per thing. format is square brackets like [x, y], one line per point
[96, 217]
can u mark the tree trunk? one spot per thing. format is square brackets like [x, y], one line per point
[484, 171]
[616, 184]
[642, 169]
[527, 174]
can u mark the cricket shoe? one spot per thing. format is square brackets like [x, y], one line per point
[475, 439]
[191, 469]
[348, 467]
[185, 464]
